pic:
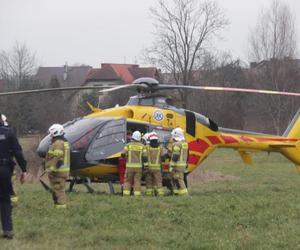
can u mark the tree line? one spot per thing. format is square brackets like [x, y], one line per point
[184, 50]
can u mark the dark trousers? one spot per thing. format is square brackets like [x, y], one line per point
[5, 193]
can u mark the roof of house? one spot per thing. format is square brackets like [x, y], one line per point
[105, 74]
[125, 73]
[144, 72]
[66, 75]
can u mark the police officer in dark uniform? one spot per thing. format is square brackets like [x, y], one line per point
[9, 148]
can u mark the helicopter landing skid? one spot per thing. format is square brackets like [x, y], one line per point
[111, 187]
[87, 183]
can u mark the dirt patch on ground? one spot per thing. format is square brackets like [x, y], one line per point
[210, 176]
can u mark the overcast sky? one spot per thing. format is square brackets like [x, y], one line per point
[114, 31]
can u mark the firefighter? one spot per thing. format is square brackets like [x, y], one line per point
[155, 155]
[178, 164]
[57, 164]
[134, 151]
[9, 148]
[146, 171]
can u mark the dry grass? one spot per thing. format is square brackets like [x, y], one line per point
[29, 144]
[210, 176]
[259, 210]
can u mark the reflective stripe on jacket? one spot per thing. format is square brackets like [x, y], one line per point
[58, 157]
[154, 157]
[180, 149]
[134, 151]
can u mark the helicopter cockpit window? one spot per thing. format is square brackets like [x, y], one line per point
[79, 133]
[110, 139]
[160, 102]
[133, 101]
[146, 102]
[157, 101]
[169, 102]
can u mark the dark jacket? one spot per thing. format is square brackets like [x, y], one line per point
[10, 147]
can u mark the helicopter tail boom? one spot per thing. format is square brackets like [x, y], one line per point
[292, 151]
[293, 129]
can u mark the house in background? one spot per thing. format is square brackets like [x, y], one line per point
[116, 74]
[108, 74]
[113, 74]
[66, 75]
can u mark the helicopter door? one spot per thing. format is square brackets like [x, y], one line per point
[109, 140]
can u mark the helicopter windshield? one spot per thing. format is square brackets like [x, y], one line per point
[109, 140]
[78, 132]
[157, 101]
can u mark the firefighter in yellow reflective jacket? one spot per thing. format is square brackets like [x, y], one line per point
[155, 154]
[134, 151]
[57, 164]
[146, 172]
[178, 162]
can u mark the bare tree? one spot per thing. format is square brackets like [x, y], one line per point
[273, 48]
[274, 36]
[225, 108]
[17, 65]
[184, 29]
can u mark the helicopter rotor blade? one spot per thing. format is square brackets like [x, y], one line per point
[114, 88]
[242, 90]
[145, 87]
[125, 86]
[34, 91]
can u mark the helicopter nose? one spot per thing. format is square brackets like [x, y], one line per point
[43, 147]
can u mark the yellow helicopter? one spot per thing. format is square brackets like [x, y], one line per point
[98, 138]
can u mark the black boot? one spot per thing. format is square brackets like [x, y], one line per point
[9, 235]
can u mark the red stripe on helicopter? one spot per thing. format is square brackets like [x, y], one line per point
[276, 139]
[229, 139]
[193, 159]
[214, 139]
[246, 139]
[198, 146]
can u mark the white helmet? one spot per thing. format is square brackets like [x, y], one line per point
[153, 136]
[136, 136]
[4, 120]
[177, 134]
[56, 130]
[146, 137]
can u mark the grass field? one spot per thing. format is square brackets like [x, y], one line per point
[238, 208]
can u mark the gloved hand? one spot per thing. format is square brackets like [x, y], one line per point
[23, 177]
[171, 168]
